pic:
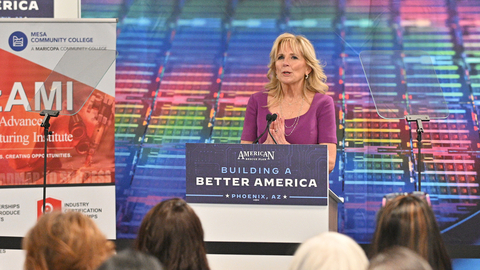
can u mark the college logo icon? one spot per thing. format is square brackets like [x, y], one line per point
[51, 205]
[18, 41]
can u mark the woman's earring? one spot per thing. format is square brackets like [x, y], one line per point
[306, 76]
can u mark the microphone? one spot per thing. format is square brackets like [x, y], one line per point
[270, 118]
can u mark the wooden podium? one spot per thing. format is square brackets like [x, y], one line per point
[245, 230]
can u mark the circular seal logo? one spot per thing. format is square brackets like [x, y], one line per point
[18, 41]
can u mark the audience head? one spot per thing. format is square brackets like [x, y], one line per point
[398, 258]
[68, 240]
[316, 81]
[329, 250]
[172, 232]
[131, 260]
[408, 220]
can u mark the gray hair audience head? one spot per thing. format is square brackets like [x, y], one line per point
[131, 260]
[329, 250]
[398, 258]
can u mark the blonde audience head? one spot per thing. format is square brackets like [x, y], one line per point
[329, 250]
[69, 240]
[398, 258]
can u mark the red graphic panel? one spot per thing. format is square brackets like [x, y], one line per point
[51, 205]
[80, 148]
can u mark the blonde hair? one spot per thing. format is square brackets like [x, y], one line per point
[316, 81]
[329, 250]
[398, 258]
[68, 240]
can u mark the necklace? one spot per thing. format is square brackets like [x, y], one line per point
[295, 122]
[290, 103]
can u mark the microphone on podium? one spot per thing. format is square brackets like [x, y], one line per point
[270, 118]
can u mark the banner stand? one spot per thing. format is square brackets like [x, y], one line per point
[30, 51]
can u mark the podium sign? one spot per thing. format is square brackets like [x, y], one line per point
[257, 174]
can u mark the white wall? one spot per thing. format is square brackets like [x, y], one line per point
[67, 9]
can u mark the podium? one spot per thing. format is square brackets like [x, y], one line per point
[257, 203]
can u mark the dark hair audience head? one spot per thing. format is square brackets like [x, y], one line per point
[409, 221]
[131, 260]
[68, 240]
[172, 232]
[398, 258]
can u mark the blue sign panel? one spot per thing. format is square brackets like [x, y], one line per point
[26, 9]
[257, 174]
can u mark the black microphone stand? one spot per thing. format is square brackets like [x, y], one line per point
[418, 119]
[270, 119]
[46, 125]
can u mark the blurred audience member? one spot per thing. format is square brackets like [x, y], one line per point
[131, 260]
[172, 232]
[62, 241]
[398, 258]
[408, 220]
[329, 250]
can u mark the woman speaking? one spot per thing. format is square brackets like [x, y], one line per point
[296, 94]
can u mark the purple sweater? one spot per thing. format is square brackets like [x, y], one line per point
[316, 126]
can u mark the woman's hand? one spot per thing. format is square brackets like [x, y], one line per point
[277, 129]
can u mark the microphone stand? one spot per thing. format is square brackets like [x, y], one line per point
[270, 119]
[418, 119]
[46, 125]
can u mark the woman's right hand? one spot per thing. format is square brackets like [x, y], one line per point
[277, 129]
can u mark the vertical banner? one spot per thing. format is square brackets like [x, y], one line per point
[65, 65]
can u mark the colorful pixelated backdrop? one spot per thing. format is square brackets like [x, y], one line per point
[186, 69]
